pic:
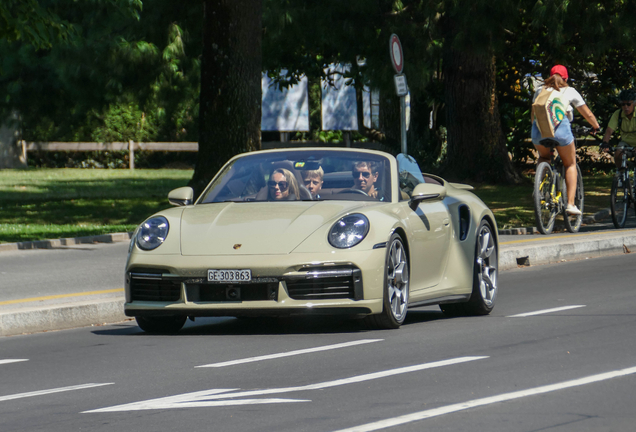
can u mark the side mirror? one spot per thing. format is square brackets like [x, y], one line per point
[426, 192]
[182, 196]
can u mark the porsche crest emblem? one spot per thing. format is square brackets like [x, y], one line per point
[237, 246]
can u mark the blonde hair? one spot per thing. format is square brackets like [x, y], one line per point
[313, 173]
[291, 181]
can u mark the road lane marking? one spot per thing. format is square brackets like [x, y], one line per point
[5, 361]
[291, 353]
[218, 397]
[448, 409]
[59, 296]
[545, 311]
[49, 391]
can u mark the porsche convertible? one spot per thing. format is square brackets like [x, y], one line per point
[305, 231]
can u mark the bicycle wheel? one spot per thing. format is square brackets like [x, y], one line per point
[619, 201]
[573, 222]
[545, 207]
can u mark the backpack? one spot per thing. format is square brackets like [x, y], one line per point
[549, 111]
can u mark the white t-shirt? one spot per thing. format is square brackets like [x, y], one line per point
[567, 94]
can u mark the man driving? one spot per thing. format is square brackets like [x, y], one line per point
[365, 174]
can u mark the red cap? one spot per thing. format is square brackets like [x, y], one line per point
[561, 70]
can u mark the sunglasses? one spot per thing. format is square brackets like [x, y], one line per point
[282, 185]
[365, 174]
[626, 103]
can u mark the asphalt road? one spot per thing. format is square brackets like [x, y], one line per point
[63, 270]
[572, 369]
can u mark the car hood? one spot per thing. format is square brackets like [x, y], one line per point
[256, 228]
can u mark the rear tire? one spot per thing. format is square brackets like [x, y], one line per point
[485, 277]
[396, 287]
[545, 210]
[619, 201]
[161, 324]
[573, 222]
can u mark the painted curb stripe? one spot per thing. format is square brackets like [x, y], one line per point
[59, 296]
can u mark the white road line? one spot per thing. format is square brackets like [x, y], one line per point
[5, 361]
[545, 311]
[409, 418]
[291, 353]
[209, 398]
[49, 391]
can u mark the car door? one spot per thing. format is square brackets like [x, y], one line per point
[429, 229]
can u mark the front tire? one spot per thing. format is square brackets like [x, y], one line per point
[396, 287]
[545, 209]
[161, 324]
[619, 201]
[573, 222]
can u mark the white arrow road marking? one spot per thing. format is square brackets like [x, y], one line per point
[49, 391]
[5, 361]
[291, 353]
[208, 398]
[396, 421]
[545, 311]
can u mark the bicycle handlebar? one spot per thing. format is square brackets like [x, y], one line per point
[583, 130]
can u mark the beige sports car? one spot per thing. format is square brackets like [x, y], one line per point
[314, 231]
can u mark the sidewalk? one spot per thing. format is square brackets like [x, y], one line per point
[64, 311]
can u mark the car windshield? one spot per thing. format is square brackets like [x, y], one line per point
[302, 175]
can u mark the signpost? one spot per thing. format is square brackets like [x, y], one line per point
[401, 87]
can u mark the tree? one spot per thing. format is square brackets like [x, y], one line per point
[143, 65]
[230, 101]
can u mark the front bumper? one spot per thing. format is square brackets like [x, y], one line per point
[281, 285]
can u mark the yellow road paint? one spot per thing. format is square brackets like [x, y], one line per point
[543, 238]
[60, 296]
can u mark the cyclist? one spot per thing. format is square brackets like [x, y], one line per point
[563, 134]
[623, 121]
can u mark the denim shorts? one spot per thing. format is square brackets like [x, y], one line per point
[563, 134]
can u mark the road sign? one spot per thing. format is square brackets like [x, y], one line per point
[401, 88]
[397, 57]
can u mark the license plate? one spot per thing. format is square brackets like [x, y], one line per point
[229, 275]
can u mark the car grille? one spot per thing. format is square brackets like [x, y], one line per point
[206, 292]
[326, 284]
[150, 287]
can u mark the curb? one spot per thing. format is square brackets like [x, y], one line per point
[523, 256]
[50, 244]
[63, 317]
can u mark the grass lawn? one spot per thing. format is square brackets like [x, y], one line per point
[38, 204]
[513, 205]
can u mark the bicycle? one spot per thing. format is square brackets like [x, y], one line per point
[622, 195]
[550, 191]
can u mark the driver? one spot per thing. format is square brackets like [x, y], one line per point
[365, 175]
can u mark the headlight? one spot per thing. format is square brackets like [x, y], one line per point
[152, 233]
[349, 231]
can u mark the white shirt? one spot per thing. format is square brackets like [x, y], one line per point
[567, 94]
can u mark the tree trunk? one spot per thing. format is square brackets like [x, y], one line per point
[476, 145]
[10, 150]
[230, 100]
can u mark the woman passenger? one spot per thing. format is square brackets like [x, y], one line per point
[282, 185]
